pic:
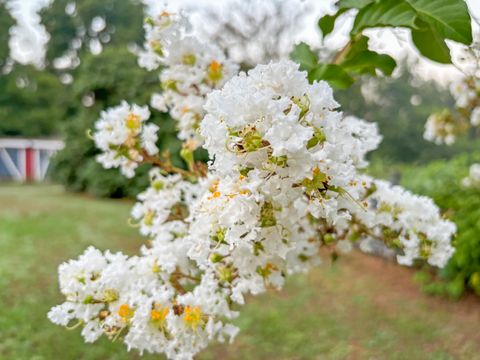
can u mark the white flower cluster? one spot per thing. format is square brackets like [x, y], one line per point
[192, 69]
[444, 127]
[282, 182]
[473, 178]
[466, 95]
[124, 138]
[403, 221]
[118, 296]
[441, 128]
[144, 298]
[464, 92]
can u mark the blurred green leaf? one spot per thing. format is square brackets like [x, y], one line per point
[431, 44]
[304, 55]
[394, 13]
[327, 22]
[333, 74]
[367, 61]
[361, 60]
[450, 18]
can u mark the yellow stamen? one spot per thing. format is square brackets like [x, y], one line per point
[159, 314]
[149, 217]
[193, 317]
[215, 66]
[214, 186]
[156, 268]
[133, 121]
[125, 312]
[215, 71]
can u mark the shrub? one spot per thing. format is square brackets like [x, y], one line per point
[442, 181]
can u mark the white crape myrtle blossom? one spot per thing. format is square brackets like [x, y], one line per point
[124, 138]
[282, 182]
[161, 33]
[475, 117]
[364, 138]
[440, 128]
[408, 222]
[191, 70]
[464, 92]
[473, 178]
[117, 296]
[446, 126]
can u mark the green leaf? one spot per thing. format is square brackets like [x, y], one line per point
[304, 55]
[333, 74]
[450, 18]
[431, 44]
[352, 4]
[394, 13]
[327, 22]
[358, 44]
[361, 60]
[367, 61]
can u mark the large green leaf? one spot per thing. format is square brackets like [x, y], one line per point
[304, 55]
[394, 13]
[431, 44]
[450, 18]
[333, 74]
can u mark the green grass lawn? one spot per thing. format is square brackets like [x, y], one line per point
[359, 308]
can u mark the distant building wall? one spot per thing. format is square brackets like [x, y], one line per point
[26, 159]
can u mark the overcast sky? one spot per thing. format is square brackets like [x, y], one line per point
[397, 44]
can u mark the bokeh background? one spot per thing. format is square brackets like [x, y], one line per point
[356, 307]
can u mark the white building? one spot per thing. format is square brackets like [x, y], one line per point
[26, 159]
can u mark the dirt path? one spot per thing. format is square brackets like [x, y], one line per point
[397, 280]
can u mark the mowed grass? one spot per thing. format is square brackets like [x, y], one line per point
[359, 308]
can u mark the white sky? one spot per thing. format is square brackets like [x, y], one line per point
[396, 44]
[383, 40]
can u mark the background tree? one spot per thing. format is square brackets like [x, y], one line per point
[6, 22]
[32, 103]
[98, 86]
[400, 106]
[254, 31]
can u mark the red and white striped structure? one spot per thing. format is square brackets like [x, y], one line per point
[26, 159]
